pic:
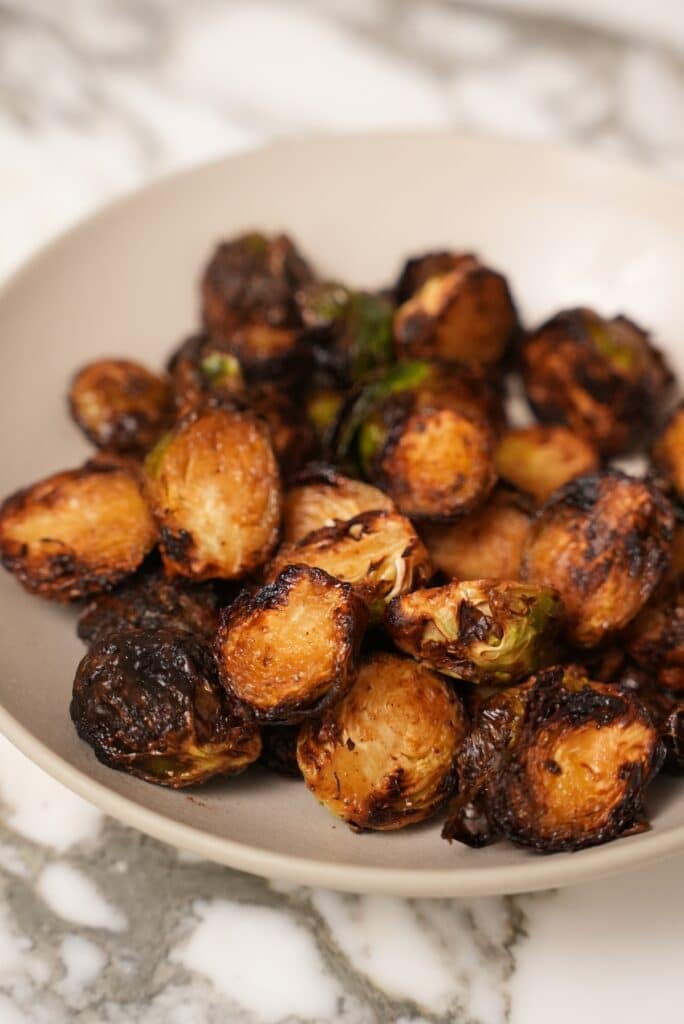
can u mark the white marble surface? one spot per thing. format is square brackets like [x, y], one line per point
[100, 924]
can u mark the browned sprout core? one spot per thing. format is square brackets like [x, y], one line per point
[148, 702]
[322, 497]
[486, 543]
[383, 757]
[668, 451]
[603, 542]
[120, 404]
[464, 313]
[602, 378]
[538, 460]
[290, 649]
[655, 639]
[379, 553]
[215, 490]
[77, 532]
[558, 763]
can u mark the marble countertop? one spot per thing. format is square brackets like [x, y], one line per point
[98, 923]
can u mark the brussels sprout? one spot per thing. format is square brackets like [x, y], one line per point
[486, 543]
[604, 543]
[464, 314]
[200, 369]
[668, 451]
[148, 702]
[290, 649]
[655, 639]
[352, 330]
[602, 378]
[215, 491]
[383, 757]
[77, 532]
[120, 405]
[292, 435]
[484, 631]
[538, 460]
[419, 269]
[558, 763]
[149, 600]
[323, 497]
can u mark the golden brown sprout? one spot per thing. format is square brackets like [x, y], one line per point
[215, 491]
[289, 650]
[323, 497]
[655, 639]
[558, 763]
[201, 369]
[77, 532]
[486, 543]
[121, 405]
[149, 703]
[383, 757]
[668, 451]
[484, 631]
[538, 460]
[464, 314]
[603, 542]
[602, 378]
[379, 553]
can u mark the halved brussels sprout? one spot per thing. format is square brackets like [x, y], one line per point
[603, 542]
[352, 330]
[486, 543]
[668, 451]
[540, 459]
[201, 369]
[558, 763]
[383, 757]
[149, 703]
[149, 600]
[290, 649]
[464, 314]
[379, 553]
[602, 378]
[120, 404]
[484, 631]
[77, 532]
[655, 639]
[215, 490]
[323, 497]
[419, 269]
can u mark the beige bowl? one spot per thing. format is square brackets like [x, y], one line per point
[565, 227]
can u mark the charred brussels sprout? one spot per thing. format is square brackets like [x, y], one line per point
[351, 330]
[484, 631]
[248, 302]
[379, 553]
[120, 405]
[77, 532]
[290, 649]
[655, 639]
[201, 369]
[383, 757]
[486, 544]
[149, 600]
[215, 490]
[148, 702]
[538, 460]
[602, 378]
[668, 451]
[559, 763]
[323, 497]
[603, 542]
[464, 313]
[279, 749]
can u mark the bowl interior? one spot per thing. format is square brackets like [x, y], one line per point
[565, 228]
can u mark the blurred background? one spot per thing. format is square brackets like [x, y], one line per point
[97, 96]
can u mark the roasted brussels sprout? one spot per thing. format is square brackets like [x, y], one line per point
[248, 302]
[604, 543]
[538, 460]
[602, 378]
[149, 600]
[558, 763]
[77, 532]
[279, 749]
[323, 497]
[201, 369]
[417, 270]
[215, 490]
[464, 314]
[486, 544]
[148, 702]
[655, 639]
[383, 757]
[379, 553]
[351, 330]
[120, 405]
[668, 451]
[289, 650]
[484, 631]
